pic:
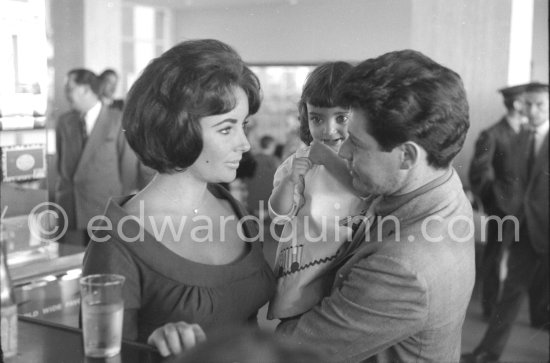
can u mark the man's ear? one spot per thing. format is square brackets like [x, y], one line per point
[518, 105]
[410, 153]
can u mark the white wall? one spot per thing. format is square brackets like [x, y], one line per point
[540, 42]
[308, 32]
[67, 40]
[102, 35]
[469, 36]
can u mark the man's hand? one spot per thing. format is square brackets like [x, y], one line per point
[171, 338]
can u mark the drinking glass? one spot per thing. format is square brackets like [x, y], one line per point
[102, 313]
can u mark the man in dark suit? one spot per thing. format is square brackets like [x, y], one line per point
[528, 257]
[94, 160]
[491, 177]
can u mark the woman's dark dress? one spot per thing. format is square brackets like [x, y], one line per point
[163, 287]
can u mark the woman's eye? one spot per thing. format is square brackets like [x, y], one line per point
[246, 123]
[225, 130]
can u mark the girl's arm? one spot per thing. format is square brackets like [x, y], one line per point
[336, 166]
[281, 202]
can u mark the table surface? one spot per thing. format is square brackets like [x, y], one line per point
[46, 342]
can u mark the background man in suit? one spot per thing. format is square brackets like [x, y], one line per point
[491, 177]
[528, 257]
[94, 160]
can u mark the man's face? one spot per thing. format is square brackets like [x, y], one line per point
[110, 85]
[373, 171]
[75, 94]
[536, 107]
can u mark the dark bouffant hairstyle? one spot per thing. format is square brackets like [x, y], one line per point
[320, 91]
[406, 96]
[192, 80]
[85, 76]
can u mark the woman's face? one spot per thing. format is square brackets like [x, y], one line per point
[224, 142]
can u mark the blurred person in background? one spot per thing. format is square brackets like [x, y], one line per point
[238, 187]
[261, 182]
[492, 175]
[527, 263]
[108, 80]
[94, 160]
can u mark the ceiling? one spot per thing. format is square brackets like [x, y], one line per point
[199, 4]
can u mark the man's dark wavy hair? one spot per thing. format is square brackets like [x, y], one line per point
[406, 96]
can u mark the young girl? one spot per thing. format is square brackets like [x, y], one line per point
[312, 200]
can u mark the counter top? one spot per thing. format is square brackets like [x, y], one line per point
[66, 257]
[46, 342]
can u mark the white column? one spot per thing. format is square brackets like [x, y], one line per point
[521, 42]
[102, 35]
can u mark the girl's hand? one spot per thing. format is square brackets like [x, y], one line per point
[319, 153]
[171, 338]
[300, 167]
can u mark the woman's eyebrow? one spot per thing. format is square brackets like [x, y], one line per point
[232, 120]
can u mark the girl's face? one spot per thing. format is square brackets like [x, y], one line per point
[224, 141]
[328, 125]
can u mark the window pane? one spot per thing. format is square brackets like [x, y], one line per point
[159, 24]
[159, 50]
[128, 65]
[144, 52]
[127, 21]
[144, 18]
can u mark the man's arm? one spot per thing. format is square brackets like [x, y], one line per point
[379, 304]
[482, 173]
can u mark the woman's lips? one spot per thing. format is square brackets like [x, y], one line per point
[233, 164]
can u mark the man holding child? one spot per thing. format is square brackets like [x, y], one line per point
[403, 293]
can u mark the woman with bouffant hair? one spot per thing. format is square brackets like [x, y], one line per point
[189, 262]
